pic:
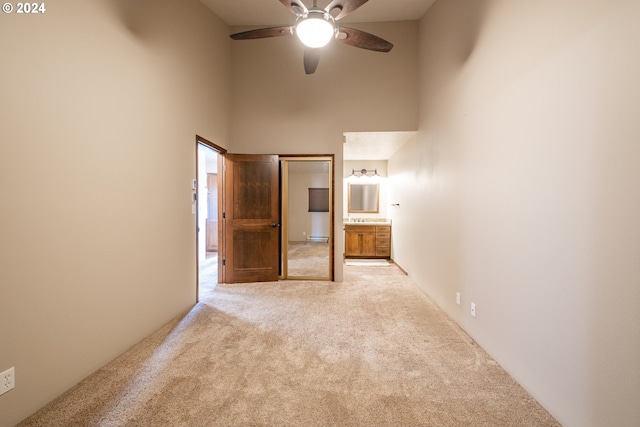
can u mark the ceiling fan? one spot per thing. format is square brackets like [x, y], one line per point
[316, 27]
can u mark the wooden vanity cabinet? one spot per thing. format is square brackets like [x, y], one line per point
[360, 240]
[367, 241]
[383, 241]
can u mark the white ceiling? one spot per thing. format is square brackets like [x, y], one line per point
[373, 145]
[272, 12]
[358, 145]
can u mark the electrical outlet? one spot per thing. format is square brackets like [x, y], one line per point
[7, 380]
[473, 309]
[458, 298]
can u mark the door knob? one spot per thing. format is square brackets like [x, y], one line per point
[274, 225]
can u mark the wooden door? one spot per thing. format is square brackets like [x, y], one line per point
[252, 241]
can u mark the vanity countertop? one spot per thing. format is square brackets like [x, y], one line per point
[366, 221]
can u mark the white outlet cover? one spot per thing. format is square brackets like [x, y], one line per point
[7, 380]
[473, 309]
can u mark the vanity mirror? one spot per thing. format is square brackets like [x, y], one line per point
[363, 198]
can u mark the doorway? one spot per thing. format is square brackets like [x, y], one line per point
[264, 204]
[208, 197]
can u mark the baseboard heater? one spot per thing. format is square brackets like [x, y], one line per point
[318, 239]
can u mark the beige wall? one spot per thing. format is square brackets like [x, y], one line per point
[99, 109]
[302, 223]
[521, 191]
[276, 108]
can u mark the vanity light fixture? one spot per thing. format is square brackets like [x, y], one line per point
[364, 172]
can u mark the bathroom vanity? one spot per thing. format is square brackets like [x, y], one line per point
[367, 239]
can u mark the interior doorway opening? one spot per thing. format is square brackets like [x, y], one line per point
[208, 208]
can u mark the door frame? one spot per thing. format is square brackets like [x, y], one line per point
[222, 152]
[221, 239]
[285, 217]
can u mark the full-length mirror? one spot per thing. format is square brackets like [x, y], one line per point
[307, 217]
[363, 198]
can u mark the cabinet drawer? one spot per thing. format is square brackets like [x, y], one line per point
[383, 229]
[382, 242]
[383, 252]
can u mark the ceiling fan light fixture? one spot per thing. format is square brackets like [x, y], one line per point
[316, 29]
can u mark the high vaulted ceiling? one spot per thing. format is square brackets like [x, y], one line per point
[272, 12]
[357, 145]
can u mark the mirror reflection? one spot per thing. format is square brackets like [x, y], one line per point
[363, 198]
[307, 209]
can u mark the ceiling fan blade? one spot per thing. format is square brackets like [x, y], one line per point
[263, 33]
[296, 7]
[345, 7]
[311, 60]
[363, 40]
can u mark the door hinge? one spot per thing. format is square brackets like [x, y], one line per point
[224, 262]
[224, 215]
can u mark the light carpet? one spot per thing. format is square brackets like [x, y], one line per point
[371, 351]
[308, 259]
